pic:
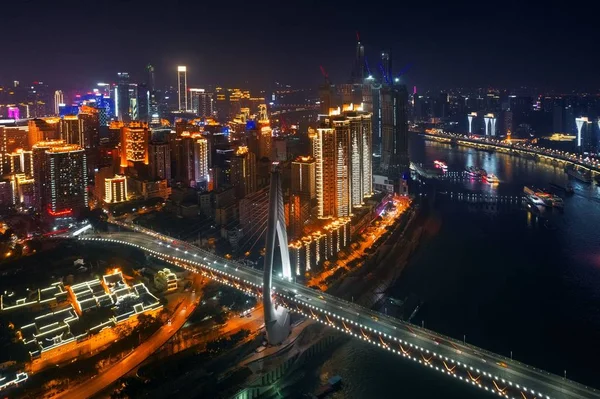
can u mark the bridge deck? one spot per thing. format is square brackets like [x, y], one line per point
[478, 367]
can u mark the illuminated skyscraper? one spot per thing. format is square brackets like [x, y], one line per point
[323, 149]
[201, 160]
[182, 92]
[71, 129]
[134, 144]
[342, 148]
[121, 97]
[243, 172]
[58, 100]
[361, 148]
[60, 174]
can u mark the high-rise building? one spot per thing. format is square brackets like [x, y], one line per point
[71, 129]
[182, 92]
[394, 130]
[20, 161]
[159, 161]
[359, 69]
[304, 177]
[60, 178]
[243, 172]
[43, 129]
[323, 149]
[361, 149]
[122, 98]
[200, 102]
[134, 144]
[153, 114]
[342, 149]
[201, 160]
[90, 136]
[59, 99]
[115, 189]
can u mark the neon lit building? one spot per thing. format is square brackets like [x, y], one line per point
[134, 144]
[60, 174]
[182, 92]
[201, 160]
[312, 250]
[115, 189]
[342, 149]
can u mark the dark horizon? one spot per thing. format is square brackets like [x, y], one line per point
[242, 44]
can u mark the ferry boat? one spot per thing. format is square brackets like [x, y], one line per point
[535, 200]
[474, 171]
[545, 196]
[579, 175]
[440, 164]
[492, 179]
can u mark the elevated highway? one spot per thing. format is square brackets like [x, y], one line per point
[482, 369]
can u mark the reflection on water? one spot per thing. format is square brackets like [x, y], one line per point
[508, 279]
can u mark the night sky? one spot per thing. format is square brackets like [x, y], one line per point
[254, 43]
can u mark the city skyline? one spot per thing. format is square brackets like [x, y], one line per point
[444, 46]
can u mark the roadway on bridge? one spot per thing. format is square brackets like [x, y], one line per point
[549, 385]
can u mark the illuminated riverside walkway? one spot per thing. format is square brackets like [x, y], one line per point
[529, 150]
[474, 366]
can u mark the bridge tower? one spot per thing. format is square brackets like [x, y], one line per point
[277, 319]
[470, 117]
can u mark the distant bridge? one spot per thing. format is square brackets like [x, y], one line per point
[520, 149]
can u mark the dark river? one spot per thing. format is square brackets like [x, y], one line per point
[504, 277]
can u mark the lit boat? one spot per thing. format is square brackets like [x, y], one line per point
[535, 200]
[474, 171]
[492, 179]
[441, 165]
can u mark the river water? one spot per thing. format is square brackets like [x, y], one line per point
[502, 277]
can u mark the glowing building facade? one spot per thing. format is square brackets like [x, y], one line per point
[201, 160]
[134, 144]
[342, 149]
[59, 99]
[182, 92]
[60, 174]
[312, 250]
[115, 189]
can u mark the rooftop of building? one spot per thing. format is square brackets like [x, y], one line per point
[96, 304]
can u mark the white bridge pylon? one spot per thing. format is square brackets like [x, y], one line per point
[277, 320]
